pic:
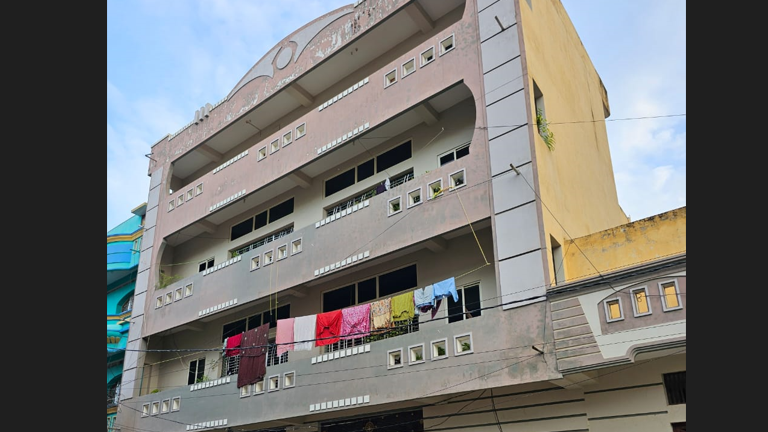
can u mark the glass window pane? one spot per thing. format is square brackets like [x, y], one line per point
[671, 295]
[461, 152]
[339, 299]
[455, 309]
[365, 170]
[472, 301]
[366, 290]
[614, 310]
[393, 157]
[281, 210]
[641, 302]
[446, 159]
[397, 281]
[341, 181]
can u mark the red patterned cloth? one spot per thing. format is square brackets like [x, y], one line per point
[356, 322]
[328, 326]
[253, 363]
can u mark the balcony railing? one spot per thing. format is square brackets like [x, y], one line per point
[370, 193]
[231, 365]
[401, 328]
[262, 242]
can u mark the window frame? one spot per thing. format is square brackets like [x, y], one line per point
[441, 47]
[209, 263]
[197, 369]
[635, 308]
[300, 135]
[608, 312]
[388, 84]
[463, 298]
[403, 72]
[664, 295]
[421, 56]
[453, 151]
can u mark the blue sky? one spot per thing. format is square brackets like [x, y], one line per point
[166, 58]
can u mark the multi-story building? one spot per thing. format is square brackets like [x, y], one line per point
[384, 147]
[123, 244]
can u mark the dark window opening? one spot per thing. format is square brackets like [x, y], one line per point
[461, 152]
[446, 159]
[205, 265]
[253, 322]
[281, 210]
[340, 182]
[366, 290]
[339, 298]
[270, 317]
[243, 228]
[233, 329]
[196, 371]
[468, 306]
[365, 170]
[397, 281]
[260, 220]
[393, 157]
[674, 384]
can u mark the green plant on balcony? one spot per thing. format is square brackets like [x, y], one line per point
[166, 280]
[201, 379]
[155, 391]
[465, 346]
[547, 135]
[440, 350]
[419, 357]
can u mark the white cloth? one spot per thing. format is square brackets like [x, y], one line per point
[386, 184]
[304, 330]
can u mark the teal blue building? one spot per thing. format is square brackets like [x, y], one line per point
[123, 246]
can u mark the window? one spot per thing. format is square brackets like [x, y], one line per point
[395, 358]
[468, 306]
[557, 261]
[438, 348]
[203, 266]
[435, 189]
[397, 281]
[127, 304]
[178, 294]
[269, 257]
[262, 153]
[243, 228]
[670, 296]
[409, 67]
[414, 197]
[339, 298]
[390, 78]
[145, 410]
[198, 189]
[295, 246]
[289, 379]
[188, 290]
[366, 290]
[264, 240]
[282, 252]
[283, 312]
[416, 354]
[281, 210]
[462, 344]
[275, 146]
[260, 220]
[287, 138]
[196, 371]
[457, 153]
[176, 403]
[190, 194]
[674, 384]
[301, 130]
[245, 391]
[180, 200]
[341, 181]
[274, 383]
[165, 406]
[159, 302]
[428, 56]
[255, 262]
[394, 206]
[613, 310]
[458, 179]
[393, 157]
[447, 45]
[168, 298]
[155, 408]
[171, 205]
[365, 170]
[640, 305]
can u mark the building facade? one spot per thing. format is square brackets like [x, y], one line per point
[123, 244]
[384, 147]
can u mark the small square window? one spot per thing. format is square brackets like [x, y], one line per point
[258, 388]
[439, 349]
[287, 138]
[394, 206]
[165, 406]
[428, 56]
[168, 298]
[274, 383]
[190, 194]
[295, 246]
[176, 403]
[155, 408]
[159, 302]
[178, 294]
[301, 130]
[145, 410]
[171, 205]
[269, 257]
[289, 379]
[180, 200]
[275, 146]
[435, 189]
[255, 262]
[462, 344]
[640, 304]
[447, 45]
[262, 153]
[670, 296]
[414, 197]
[198, 189]
[409, 67]
[245, 391]
[390, 78]
[395, 358]
[188, 290]
[613, 310]
[416, 354]
[458, 179]
[282, 252]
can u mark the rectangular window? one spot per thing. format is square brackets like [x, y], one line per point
[397, 281]
[339, 299]
[670, 297]
[674, 384]
[234, 328]
[390, 78]
[457, 153]
[340, 182]
[275, 146]
[196, 371]
[365, 170]
[468, 305]
[203, 266]
[287, 138]
[447, 45]
[393, 157]
[282, 252]
[262, 153]
[366, 290]
[613, 310]
[260, 220]
[281, 210]
[198, 189]
[427, 56]
[640, 304]
[243, 228]
[283, 312]
[301, 130]
[295, 246]
[409, 67]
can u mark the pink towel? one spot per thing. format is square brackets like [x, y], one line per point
[284, 336]
[356, 320]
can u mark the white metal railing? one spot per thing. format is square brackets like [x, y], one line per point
[231, 365]
[263, 241]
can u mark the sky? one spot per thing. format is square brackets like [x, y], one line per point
[166, 58]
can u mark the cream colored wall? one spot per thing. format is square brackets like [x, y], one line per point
[459, 257]
[576, 180]
[309, 203]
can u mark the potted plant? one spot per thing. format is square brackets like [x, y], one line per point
[465, 346]
[440, 350]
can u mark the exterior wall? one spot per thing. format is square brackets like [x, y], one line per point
[118, 293]
[576, 180]
[640, 241]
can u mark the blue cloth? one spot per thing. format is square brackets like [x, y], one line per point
[445, 288]
[423, 299]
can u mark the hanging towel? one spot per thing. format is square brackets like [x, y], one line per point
[233, 342]
[284, 337]
[328, 328]
[304, 330]
[446, 287]
[381, 314]
[386, 184]
[253, 363]
[423, 299]
[402, 307]
[356, 322]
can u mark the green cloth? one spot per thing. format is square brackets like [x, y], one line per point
[402, 307]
